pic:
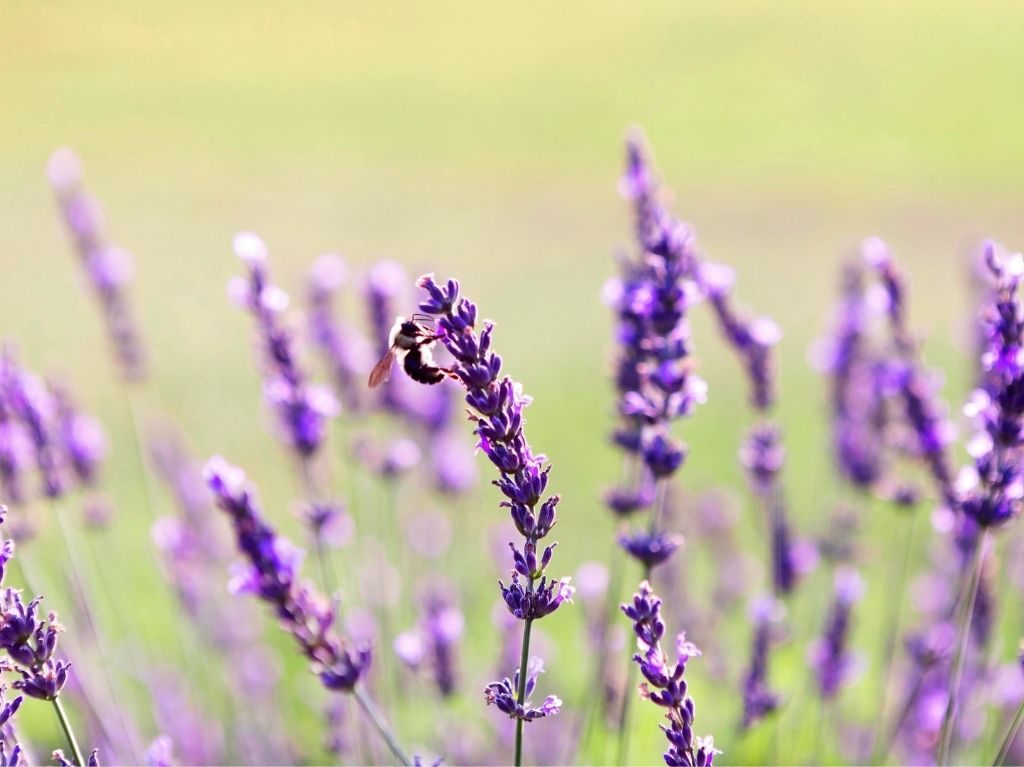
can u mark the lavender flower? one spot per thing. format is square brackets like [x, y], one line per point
[347, 352]
[759, 700]
[665, 684]
[34, 407]
[81, 436]
[108, 268]
[832, 661]
[503, 695]
[272, 574]
[763, 456]
[434, 642]
[497, 405]
[302, 408]
[992, 489]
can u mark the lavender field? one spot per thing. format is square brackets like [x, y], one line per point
[724, 300]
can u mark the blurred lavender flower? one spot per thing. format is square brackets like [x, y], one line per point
[160, 752]
[302, 409]
[665, 684]
[35, 408]
[108, 268]
[754, 340]
[759, 700]
[433, 644]
[81, 436]
[182, 720]
[349, 355]
[992, 488]
[15, 449]
[272, 574]
[763, 456]
[829, 656]
[497, 405]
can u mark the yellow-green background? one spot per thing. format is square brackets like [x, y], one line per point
[484, 141]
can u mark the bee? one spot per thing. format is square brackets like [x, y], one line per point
[410, 340]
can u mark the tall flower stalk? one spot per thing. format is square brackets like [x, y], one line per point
[990, 489]
[302, 409]
[665, 683]
[271, 573]
[496, 405]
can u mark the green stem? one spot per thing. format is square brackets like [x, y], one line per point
[963, 635]
[1011, 735]
[524, 659]
[889, 648]
[378, 722]
[65, 725]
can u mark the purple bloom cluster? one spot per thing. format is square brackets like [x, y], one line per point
[497, 404]
[272, 574]
[108, 268]
[830, 657]
[991, 489]
[30, 644]
[763, 456]
[303, 409]
[503, 695]
[665, 683]
[347, 352]
[759, 700]
[434, 642]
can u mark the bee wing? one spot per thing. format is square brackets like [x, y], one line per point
[381, 372]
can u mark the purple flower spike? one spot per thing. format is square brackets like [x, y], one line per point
[650, 548]
[272, 574]
[34, 406]
[108, 268]
[348, 354]
[303, 409]
[759, 700]
[502, 695]
[832, 661]
[496, 405]
[81, 435]
[991, 489]
[664, 684]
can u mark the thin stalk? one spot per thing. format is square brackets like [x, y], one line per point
[612, 596]
[327, 574]
[524, 659]
[65, 725]
[78, 580]
[963, 636]
[622, 750]
[1011, 735]
[378, 722]
[893, 623]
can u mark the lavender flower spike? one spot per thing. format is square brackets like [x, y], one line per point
[832, 661]
[665, 684]
[992, 487]
[109, 268]
[30, 643]
[496, 404]
[272, 574]
[302, 408]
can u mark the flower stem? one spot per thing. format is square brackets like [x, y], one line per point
[524, 659]
[375, 718]
[65, 725]
[963, 635]
[889, 648]
[1011, 735]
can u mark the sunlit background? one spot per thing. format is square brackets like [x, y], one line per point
[485, 142]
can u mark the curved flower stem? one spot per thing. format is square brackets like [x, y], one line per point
[65, 725]
[327, 574]
[963, 635]
[889, 648]
[1011, 735]
[378, 722]
[524, 659]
